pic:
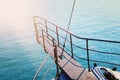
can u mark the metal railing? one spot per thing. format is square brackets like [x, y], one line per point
[55, 32]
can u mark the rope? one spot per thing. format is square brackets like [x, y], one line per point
[47, 71]
[68, 27]
[36, 74]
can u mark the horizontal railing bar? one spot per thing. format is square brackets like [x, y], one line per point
[82, 47]
[64, 30]
[96, 50]
[41, 24]
[54, 31]
[54, 25]
[64, 50]
[50, 36]
[97, 61]
[51, 30]
[63, 38]
[80, 57]
[105, 62]
[67, 50]
[96, 39]
[47, 34]
[65, 47]
[103, 52]
[91, 49]
[79, 47]
[48, 42]
[82, 37]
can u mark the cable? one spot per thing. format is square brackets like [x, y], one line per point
[47, 70]
[36, 74]
[68, 27]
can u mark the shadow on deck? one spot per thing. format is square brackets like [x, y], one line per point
[71, 67]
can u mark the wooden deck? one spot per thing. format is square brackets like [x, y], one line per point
[72, 68]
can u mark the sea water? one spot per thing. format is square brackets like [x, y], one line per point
[20, 55]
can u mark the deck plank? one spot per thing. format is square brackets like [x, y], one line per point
[72, 68]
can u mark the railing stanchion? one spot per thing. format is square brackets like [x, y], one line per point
[56, 58]
[88, 60]
[43, 39]
[57, 35]
[36, 30]
[41, 34]
[46, 28]
[71, 44]
[53, 41]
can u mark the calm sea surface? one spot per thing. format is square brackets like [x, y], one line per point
[20, 55]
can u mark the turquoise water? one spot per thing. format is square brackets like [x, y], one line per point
[20, 55]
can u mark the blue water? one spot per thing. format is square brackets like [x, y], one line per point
[20, 55]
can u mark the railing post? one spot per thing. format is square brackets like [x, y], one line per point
[43, 39]
[46, 28]
[71, 44]
[53, 41]
[57, 35]
[36, 30]
[55, 54]
[56, 60]
[88, 55]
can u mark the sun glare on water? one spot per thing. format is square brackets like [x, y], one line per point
[16, 13]
[13, 11]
